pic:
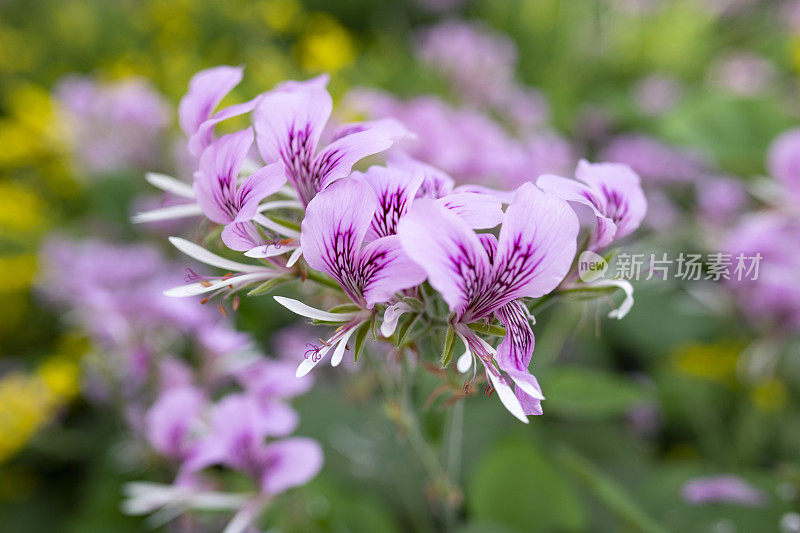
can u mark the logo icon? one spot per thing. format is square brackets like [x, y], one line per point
[591, 266]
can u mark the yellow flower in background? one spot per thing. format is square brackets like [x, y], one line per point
[21, 210]
[770, 394]
[715, 362]
[30, 401]
[794, 49]
[325, 45]
[17, 271]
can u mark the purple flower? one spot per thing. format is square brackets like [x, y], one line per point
[289, 122]
[113, 126]
[196, 114]
[477, 62]
[721, 199]
[654, 161]
[172, 419]
[722, 489]
[223, 199]
[239, 426]
[479, 275]
[613, 192]
[333, 232]
[783, 160]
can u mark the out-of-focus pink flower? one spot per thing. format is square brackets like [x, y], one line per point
[113, 126]
[743, 73]
[720, 199]
[774, 296]
[654, 161]
[656, 94]
[722, 489]
[783, 161]
[790, 15]
[478, 63]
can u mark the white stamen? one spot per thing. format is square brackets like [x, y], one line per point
[195, 251]
[308, 364]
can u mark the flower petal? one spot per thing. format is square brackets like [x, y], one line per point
[309, 312]
[536, 246]
[215, 181]
[395, 190]
[170, 185]
[338, 353]
[289, 124]
[337, 159]
[207, 88]
[294, 461]
[260, 184]
[195, 251]
[336, 222]
[452, 255]
[168, 213]
[384, 269]
[391, 316]
[479, 211]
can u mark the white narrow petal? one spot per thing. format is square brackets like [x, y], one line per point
[243, 518]
[274, 226]
[308, 364]
[310, 312]
[391, 316]
[249, 165]
[288, 190]
[269, 250]
[626, 305]
[464, 362]
[338, 353]
[280, 204]
[294, 257]
[167, 213]
[528, 388]
[193, 289]
[195, 251]
[507, 396]
[170, 184]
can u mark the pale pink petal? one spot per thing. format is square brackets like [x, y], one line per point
[291, 462]
[385, 269]
[207, 88]
[479, 211]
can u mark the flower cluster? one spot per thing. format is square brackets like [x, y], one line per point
[220, 409]
[398, 241]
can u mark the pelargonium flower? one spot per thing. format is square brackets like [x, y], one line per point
[480, 276]
[226, 201]
[333, 233]
[172, 419]
[289, 122]
[235, 438]
[612, 191]
[196, 114]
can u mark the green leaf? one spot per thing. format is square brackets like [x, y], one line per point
[404, 328]
[361, 337]
[608, 491]
[488, 329]
[345, 308]
[415, 303]
[516, 485]
[591, 394]
[270, 284]
[449, 346]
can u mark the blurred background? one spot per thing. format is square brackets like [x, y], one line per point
[643, 415]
